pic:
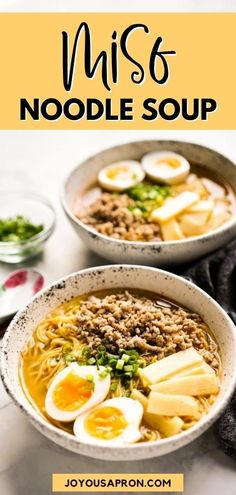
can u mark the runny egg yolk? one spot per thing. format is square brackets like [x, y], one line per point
[172, 162]
[72, 392]
[106, 423]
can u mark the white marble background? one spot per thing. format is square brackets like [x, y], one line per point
[40, 160]
[118, 5]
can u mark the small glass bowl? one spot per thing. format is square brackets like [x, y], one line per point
[37, 210]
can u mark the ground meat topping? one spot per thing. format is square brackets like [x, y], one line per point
[112, 216]
[126, 321]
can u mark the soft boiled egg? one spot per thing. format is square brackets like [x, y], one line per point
[74, 390]
[121, 175]
[166, 167]
[115, 421]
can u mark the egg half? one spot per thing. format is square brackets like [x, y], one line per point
[74, 390]
[121, 175]
[166, 167]
[114, 422]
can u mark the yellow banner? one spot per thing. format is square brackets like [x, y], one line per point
[117, 71]
[118, 483]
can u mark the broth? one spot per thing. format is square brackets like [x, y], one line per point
[122, 216]
[139, 325]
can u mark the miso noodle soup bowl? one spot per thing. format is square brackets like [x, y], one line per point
[173, 301]
[155, 246]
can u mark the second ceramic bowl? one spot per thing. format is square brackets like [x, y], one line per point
[109, 277]
[148, 253]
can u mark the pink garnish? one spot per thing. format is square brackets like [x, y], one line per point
[18, 278]
[38, 284]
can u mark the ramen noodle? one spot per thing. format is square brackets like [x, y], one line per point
[118, 335]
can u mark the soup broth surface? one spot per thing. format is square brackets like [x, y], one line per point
[128, 215]
[101, 328]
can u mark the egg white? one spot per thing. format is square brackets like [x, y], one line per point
[101, 389]
[133, 413]
[157, 169]
[133, 175]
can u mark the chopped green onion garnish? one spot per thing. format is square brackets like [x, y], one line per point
[103, 374]
[113, 387]
[125, 357]
[120, 364]
[86, 352]
[129, 368]
[91, 360]
[69, 358]
[112, 356]
[113, 362]
[109, 369]
[128, 374]
[146, 198]
[18, 229]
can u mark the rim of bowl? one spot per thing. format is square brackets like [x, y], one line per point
[191, 240]
[180, 439]
[40, 199]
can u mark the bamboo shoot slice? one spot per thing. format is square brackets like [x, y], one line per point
[193, 224]
[189, 385]
[174, 207]
[167, 426]
[205, 205]
[214, 189]
[169, 366]
[201, 369]
[217, 218]
[171, 230]
[172, 405]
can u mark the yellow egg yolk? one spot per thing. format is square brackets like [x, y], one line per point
[106, 423]
[172, 162]
[120, 173]
[72, 392]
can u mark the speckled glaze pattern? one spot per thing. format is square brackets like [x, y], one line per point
[148, 253]
[130, 276]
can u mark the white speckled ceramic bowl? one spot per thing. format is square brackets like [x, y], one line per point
[148, 253]
[166, 285]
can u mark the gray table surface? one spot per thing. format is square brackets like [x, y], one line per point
[40, 161]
